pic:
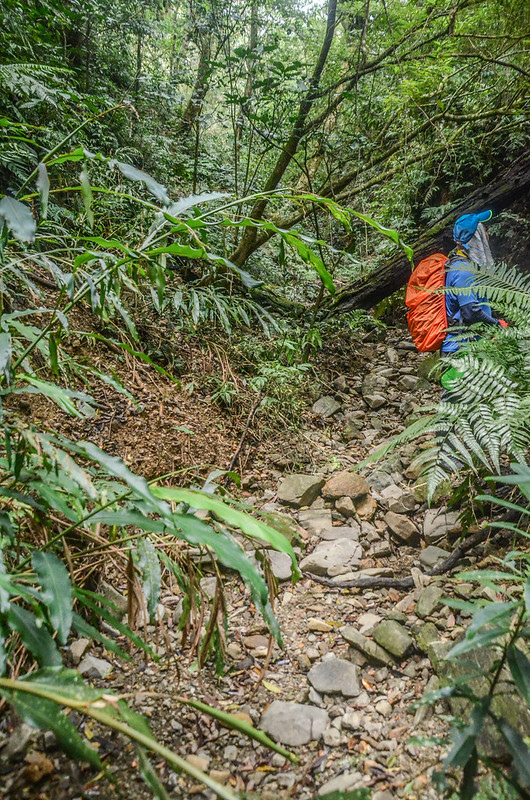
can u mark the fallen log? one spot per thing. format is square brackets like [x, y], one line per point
[510, 185]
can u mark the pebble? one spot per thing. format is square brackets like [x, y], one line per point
[316, 624]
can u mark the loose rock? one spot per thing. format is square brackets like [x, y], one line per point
[438, 523]
[332, 558]
[299, 489]
[345, 484]
[294, 724]
[432, 555]
[373, 652]
[92, 667]
[403, 528]
[334, 675]
[393, 637]
[428, 600]
[326, 406]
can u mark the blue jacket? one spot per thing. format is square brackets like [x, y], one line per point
[463, 309]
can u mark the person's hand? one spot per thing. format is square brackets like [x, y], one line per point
[503, 323]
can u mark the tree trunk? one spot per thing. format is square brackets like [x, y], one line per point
[290, 148]
[508, 186]
[193, 110]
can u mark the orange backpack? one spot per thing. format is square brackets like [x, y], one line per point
[427, 317]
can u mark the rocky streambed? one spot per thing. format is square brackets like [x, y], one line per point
[342, 691]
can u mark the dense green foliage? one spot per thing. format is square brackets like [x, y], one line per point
[217, 164]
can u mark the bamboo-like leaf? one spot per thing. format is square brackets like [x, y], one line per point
[90, 600]
[86, 194]
[18, 218]
[34, 635]
[84, 628]
[56, 591]
[239, 725]
[149, 566]
[62, 397]
[134, 174]
[5, 355]
[52, 347]
[149, 775]
[47, 715]
[232, 516]
[43, 188]
[518, 749]
[520, 669]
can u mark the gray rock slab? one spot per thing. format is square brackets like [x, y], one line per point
[393, 637]
[333, 558]
[299, 489]
[341, 532]
[326, 406]
[374, 382]
[294, 724]
[375, 400]
[397, 499]
[438, 523]
[432, 555]
[92, 667]
[335, 675]
[370, 649]
[428, 600]
[314, 521]
[341, 783]
[379, 480]
[281, 565]
[402, 527]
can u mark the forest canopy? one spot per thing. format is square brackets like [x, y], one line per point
[394, 108]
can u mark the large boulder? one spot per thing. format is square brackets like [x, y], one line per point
[300, 490]
[294, 724]
[345, 484]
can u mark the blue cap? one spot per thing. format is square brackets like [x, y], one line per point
[466, 225]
